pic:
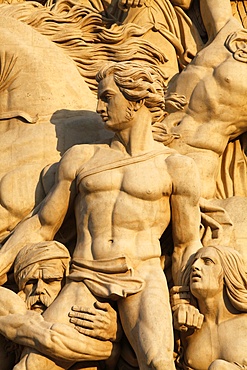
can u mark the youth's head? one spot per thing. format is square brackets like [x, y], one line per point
[124, 87]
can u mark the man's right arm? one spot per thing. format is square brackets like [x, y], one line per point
[215, 15]
[45, 223]
[28, 328]
[56, 340]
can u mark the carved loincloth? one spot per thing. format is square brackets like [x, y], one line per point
[108, 278]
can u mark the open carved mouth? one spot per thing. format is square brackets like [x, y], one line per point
[195, 277]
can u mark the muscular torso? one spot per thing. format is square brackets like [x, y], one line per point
[214, 85]
[123, 210]
[224, 341]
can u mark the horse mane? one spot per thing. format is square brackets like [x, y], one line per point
[86, 35]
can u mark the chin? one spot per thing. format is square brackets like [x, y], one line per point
[197, 291]
[107, 127]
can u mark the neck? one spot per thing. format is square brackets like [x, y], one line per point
[216, 309]
[137, 137]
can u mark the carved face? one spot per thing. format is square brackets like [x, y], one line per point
[44, 285]
[115, 110]
[206, 276]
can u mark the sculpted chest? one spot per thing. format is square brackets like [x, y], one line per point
[217, 342]
[147, 180]
[200, 350]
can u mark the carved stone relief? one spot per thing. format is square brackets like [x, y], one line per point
[123, 184]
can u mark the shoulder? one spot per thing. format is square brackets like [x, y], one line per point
[179, 163]
[184, 174]
[238, 319]
[81, 151]
[237, 327]
[73, 159]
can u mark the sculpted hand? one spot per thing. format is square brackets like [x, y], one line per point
[99, 322]
[159, 131]
[187, 317]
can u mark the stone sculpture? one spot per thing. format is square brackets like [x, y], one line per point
[197, 83]
[40, 271]
[217, 279]
[82, 52]
[97, 181]
[178, 64]
[203, 131]
[35, 124]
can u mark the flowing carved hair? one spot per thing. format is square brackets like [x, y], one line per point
[138, 82]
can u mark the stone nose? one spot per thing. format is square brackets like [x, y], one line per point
[100, 106]
[40, 286]
[196, 265]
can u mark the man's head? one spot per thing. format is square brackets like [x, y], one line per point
[139, 85]
[39, 272]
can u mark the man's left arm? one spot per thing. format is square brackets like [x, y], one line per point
[185, 211]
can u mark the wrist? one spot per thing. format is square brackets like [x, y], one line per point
[179, 294]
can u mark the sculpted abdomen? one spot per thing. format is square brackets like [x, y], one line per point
[127, 203]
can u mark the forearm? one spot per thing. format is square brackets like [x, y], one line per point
[181, 256]
[25, 233]
[56, 340]
[186, 237]
[29, 328]
[215, 14]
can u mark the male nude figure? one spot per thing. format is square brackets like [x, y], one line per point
[124, 195]
[214, 85]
